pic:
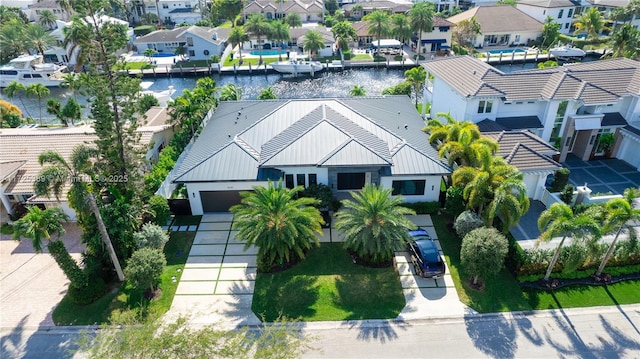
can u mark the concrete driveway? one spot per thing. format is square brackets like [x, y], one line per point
[32, 284]
[219, 278]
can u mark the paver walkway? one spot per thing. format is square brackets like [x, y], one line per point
[219, 278]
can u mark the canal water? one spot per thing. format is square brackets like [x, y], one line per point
[325, 84]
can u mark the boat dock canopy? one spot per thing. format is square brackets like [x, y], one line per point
[386, 43]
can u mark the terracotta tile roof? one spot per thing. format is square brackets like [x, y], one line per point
[526, 159]
[509, 140]
[26, 144]
[8, 168]
[499, 19]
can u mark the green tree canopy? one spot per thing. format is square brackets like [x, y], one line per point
[282, 226]
[483, 252]
[293, 20]
[145, 267]
[357, 90]
[258, 26]
[378, 24]
[267, 94]
[550, 32]
[590, 22]
[421, 19]
[236, 37]
[374, 223]
[313, 42]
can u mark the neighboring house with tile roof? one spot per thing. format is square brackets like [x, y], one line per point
[570, 105]
[530, 154]
[561, 11]
[309, 10]
[365, 8]
[501, 25]
[20, 148]
[36, 9]
[200, 42]
[438, 38]
[343, 143]
[169, 11]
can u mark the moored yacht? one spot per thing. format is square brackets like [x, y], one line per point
[297, 66]
[31, 69]
[567, 52]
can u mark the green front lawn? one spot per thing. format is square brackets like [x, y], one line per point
[503, 293]
[129, 298]
[327, 285]
[192, 63]
[250, 60]
[138, 65]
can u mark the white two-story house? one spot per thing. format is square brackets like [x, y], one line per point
[570, 106]
[200, 42]
[561, 11]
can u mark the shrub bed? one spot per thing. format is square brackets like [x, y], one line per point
[423, 207]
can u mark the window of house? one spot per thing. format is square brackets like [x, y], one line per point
[189, 41]
[187, 5]
[566, 26]
[570, 13]
[288, 181]
[300, 179]
[408, 187]
[192, 53]
[313, 179]
[165, 6]
[347, 181]
[557, 124]
[485, 106]
[560, 13]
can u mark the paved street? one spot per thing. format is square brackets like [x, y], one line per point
[604, 332]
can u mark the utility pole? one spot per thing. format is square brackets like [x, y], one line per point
[105, 236]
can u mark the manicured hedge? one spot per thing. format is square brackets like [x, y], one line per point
[423, 207]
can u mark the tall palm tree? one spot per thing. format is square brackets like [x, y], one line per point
[344, 33]
[281, 225]
[47, 19]
[293, 20]
[416, 76]
[237, 37]
[400, 27]
[421, 20]
[625, 41]
[480, 184]
[590, 22]
[39, 225]
[14, 90]
[313, 42]
[230, 92]
[374, 223]
[280, 34]
[65, 5]
[258, 26]
[620, 216]
[38, 91]
[357, 90]
[510, 202]
[559, 219]
[12, 41]
[80, 42]
[38, 38]
[378, 24]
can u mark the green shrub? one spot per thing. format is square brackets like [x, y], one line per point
[454, 203]
[515, 256]
[143, 30]
[6, 228]
[151, 236]
[483, 253]
[144, 268]
[321, 192]
[560, 179]
[567, 194]
[95, 289]
[160, 211]
[466, 222]
[423, 207]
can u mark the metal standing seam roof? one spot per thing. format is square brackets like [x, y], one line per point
[270, 128]
[592, 82]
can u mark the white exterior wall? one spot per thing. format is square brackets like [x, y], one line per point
[535, 184]
[65, 208]
[322, 173]
[193, 189]
[431, 187]
[541, 13]
[171, 5]
[629, 149]
[446, 99]
[200, 45]
[515, 37]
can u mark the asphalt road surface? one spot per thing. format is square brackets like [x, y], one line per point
[602, 332]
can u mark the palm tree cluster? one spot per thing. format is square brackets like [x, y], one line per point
[281, 225]
[617, 216]
[491, 186]
[18, 37]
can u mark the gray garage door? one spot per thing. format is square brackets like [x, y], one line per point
[219, 201]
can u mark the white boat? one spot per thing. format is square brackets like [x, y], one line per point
[297, 66]
[567, 51]
[163, 97]
[31, 69]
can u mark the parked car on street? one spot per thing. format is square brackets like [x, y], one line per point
[426, 260]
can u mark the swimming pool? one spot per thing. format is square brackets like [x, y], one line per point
[268, 52]
[163, 55]
[507, 51]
